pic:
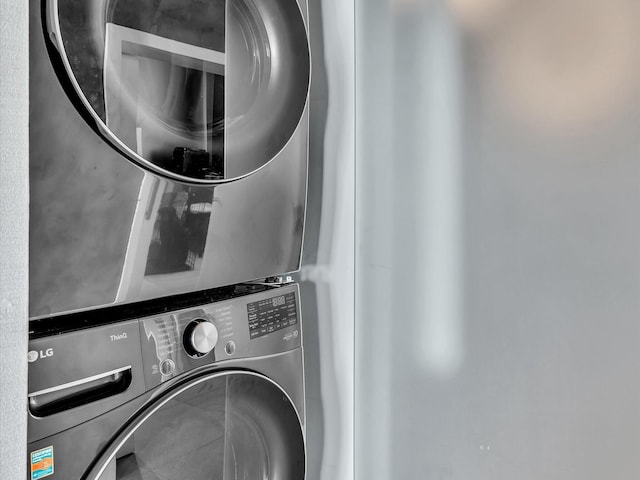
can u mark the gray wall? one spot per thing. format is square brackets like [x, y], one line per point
[13, 237]
[498, 240]
[328, 265]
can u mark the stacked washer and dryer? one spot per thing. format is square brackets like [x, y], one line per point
[168, 173]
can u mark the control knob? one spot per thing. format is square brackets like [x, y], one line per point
[200, 337]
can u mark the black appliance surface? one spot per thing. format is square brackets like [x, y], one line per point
[187, 394]
[168, 147]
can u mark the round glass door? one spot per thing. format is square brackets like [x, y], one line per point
[200, 91]
[224, 426]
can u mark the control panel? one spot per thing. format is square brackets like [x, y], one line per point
[254, 325]
[272, 314]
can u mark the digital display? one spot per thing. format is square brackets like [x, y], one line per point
[270, 315]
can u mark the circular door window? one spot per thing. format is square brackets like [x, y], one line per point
[228, 425]
[200, 91]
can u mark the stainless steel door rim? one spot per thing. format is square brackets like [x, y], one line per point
[265, 63]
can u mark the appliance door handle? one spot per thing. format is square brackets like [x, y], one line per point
[80, 392]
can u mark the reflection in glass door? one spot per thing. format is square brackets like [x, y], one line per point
[223, 426]
[165, 99]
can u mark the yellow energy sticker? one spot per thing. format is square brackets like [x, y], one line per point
[42, 463]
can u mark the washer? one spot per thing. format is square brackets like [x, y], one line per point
[213, 391]
[168, 147]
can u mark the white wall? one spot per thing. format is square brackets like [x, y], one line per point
[13, 237]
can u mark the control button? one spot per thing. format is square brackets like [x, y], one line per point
[200, 337]
[230, 348]
[167, 367]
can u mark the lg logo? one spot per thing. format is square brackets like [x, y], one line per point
[34, 355]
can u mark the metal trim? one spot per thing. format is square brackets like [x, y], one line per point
[55, 34]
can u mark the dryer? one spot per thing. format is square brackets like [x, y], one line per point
[211, 391]
[168, 147]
